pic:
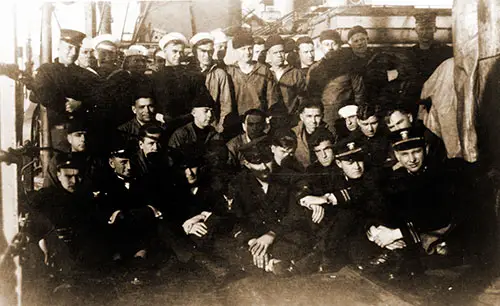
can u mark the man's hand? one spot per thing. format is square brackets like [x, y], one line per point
[398, 244]
[318, 213]
[309, 200]
[72, 105]
[199, 229]
[386, 236]
[258, 247]
[261, 261]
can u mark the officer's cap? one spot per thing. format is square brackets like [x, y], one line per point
[349, 148]
[408, 138]
[274, 40]
[120, 148]
[105, 42]
[201, 38]
[72, 37]
[170, 37]
[356, 30]
[242, 39]
[203, 99]
[136, 50]
[330, 35]
[67, 161]
[257, 151]
[76, 125]
[219, 36]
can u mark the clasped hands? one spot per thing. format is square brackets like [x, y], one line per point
[259, 246]
[386, 237]
[315, 203]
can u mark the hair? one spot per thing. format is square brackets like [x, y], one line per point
[311, 103]
[391, 111]
[257, 40]
[366, 110]
[320, 135]
[253, 112]
[149, 129]
[284, 138]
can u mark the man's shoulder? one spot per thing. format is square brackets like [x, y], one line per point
[235, 141]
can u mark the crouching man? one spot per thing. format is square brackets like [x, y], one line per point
[266, 215]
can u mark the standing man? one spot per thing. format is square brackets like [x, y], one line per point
[67, 90]
[357, 37]
[220, 47]
[290, 80]
[311, 118]
[306, 53]
[259, 53]
[107, 54]
[86, 58]
[216, 79]
[254, 83]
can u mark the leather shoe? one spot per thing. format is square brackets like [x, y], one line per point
[284, 269]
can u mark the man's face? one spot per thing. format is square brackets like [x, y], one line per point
[257, 50]
[280, 153]
[306, 54]
[312, 118]
[144, 110]
[77, 140]
[368, 126]
[121, 166]
[159, 61]
[411, 159]
[397, 121]
[202, 116]
[324, 153]
[191, 174]
[261, 171]
[173, 53]
[351, 122]
[353, 169]
[68, 53]
[106, 57]
[150, 144]
[245, 54]
[425, 33]
[276, 55]
[204, 54]
[137, 63]
[254, 126]
[220, 50]
[359, 43]
[69, 178]
[86, 58]
[328, 45]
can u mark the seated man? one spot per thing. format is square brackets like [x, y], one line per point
[200, 131]
[65, 221]
[286, 168]
[91, 165]
[265, 231]
[424, 205]
[373, 135]
[311, 117]
[399, 118]
[254, 125]
[144, 109]
[128, 207]
[338, 178]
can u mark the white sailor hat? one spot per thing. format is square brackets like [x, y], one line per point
[170, 37]
[136, 50]
[199, 37]
[106, 42]
[218, 36]
[161, 54]
[348, 111]
[87, 43]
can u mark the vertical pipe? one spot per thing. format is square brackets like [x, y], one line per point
[45, 57]
[106, 19]
[90, 19]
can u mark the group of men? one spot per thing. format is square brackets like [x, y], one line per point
[267, 164]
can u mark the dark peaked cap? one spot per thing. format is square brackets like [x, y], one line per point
[257, 151]
[408, 138]
[349, 148]
[73, 37]
[242, 39]
[273, 40]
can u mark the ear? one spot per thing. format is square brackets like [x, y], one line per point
[273, 148]
[410, 117]
[339, 163]
[111, 164]
[134, 109]
[246, 164]
[396, 153]
[68, 138]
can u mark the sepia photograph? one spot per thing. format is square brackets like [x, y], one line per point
[250, 152]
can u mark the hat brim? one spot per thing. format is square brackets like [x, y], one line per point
[409, 144]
